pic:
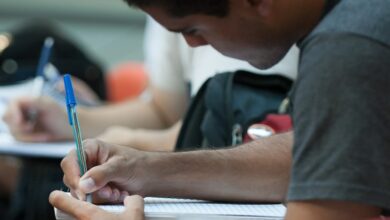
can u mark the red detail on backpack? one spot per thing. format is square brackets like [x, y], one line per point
[272, 124]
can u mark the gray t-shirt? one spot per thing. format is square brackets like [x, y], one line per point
[341, 107]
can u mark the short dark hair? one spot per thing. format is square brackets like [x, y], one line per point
[182, 8]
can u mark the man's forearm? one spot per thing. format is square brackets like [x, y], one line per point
[257, 171]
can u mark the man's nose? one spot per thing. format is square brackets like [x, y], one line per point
[195, 41]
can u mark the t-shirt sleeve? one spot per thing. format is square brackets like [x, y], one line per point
[341, 114]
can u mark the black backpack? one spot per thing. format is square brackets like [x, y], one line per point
[226, 105]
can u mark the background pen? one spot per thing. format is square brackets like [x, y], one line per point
[39, 80]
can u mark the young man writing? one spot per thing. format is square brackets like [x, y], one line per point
[339, 162]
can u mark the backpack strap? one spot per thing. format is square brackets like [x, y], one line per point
[190, 135]
[228, 102]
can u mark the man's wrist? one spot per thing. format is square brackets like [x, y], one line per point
[152, 168]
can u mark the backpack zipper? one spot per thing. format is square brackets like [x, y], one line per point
[236, 134]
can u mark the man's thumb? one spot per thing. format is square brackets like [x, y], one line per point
[96, 178]
[134, 207]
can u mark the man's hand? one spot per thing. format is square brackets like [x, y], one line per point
[81, 210]
[113, 172]
[50, 123]
[253, 172]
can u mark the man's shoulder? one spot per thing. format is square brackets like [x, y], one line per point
[348, 34]
[369, 19]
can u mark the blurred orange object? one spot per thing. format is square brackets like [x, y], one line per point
[126, 81]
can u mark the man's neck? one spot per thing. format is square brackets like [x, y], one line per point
[301, 16]
[310, 15]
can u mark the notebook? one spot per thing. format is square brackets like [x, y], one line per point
[170, 208]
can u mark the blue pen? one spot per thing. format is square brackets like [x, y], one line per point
[45, 56]
[39, 79]
[43, 61]
[74, 123]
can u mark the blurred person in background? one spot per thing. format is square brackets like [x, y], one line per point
[20, 49]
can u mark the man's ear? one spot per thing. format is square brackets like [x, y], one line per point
[262, 6]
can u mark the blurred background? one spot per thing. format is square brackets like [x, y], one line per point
[109, 32]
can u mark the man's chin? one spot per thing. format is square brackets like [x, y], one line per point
[268, 60]
[260, 64]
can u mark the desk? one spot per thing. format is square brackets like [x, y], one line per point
[39, 176]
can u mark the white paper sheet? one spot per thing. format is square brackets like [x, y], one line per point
[155, 207]
[9, 146]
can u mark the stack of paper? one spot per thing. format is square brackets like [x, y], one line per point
[9, 146]
[165, 208]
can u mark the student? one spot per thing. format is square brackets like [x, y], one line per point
[140, 123]
[340, 112]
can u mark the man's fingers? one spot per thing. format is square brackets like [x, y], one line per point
[73, 194]
[96, 152]
[96, 178]
[100, 170]
[84, 210]
[77, 208]
[71, 171]
[134, 201]
[105, 137]
[134, 208]
[109, 194]
[100, 173]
